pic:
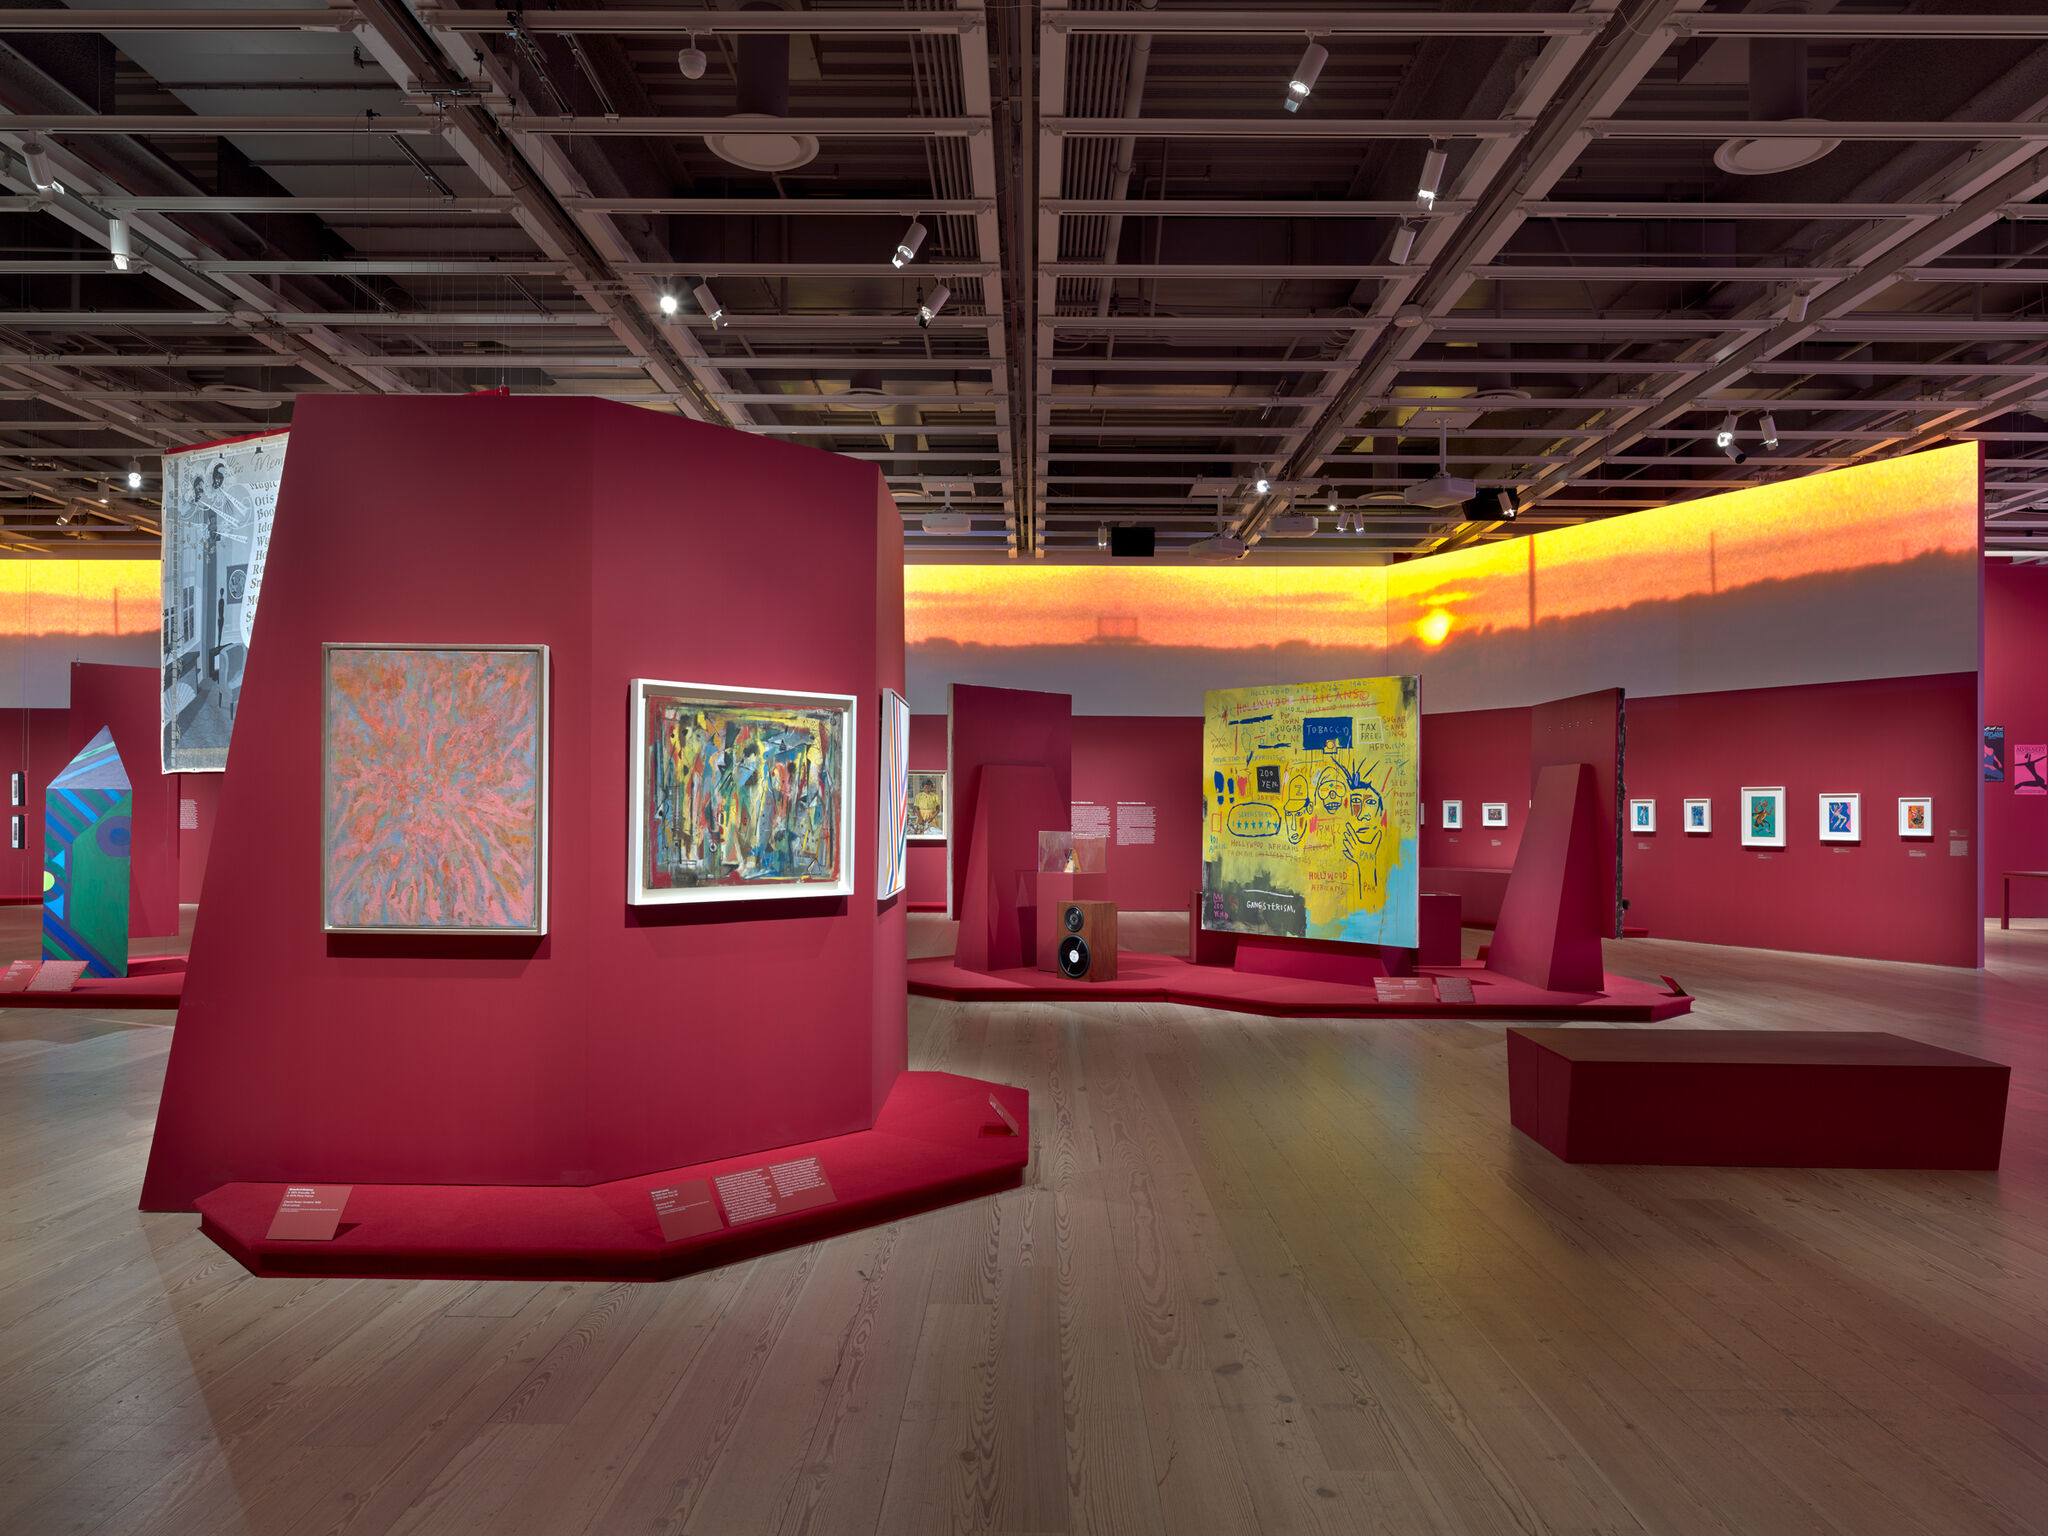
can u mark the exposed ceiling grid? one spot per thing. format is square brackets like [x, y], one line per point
[1163, 287]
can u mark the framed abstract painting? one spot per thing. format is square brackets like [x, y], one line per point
[1841, 818]
[434, 789]
[739, 794]
[1454, 815]
[1642, 815]
[926, 815]
[1493, 813]
[1699, 815]
[1763, 817]
[890, 856]
[1916, 816]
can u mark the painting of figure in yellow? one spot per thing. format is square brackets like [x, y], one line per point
[1312, 795]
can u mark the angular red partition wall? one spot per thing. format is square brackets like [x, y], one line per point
[1551, 918]
[1587, 728]
[627, 1039]
[996, 817]
[128, 701]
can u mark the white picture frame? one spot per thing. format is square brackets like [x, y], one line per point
[1454, 815]
[1841, 816]
[924, 780]
[1642, 816]
[1912, 824]
[1763, 816]
[649, 693]
[1493, 813]
[1698, 816]
[893, 809]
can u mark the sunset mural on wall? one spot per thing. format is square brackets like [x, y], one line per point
[55, 612]
[1869, 571]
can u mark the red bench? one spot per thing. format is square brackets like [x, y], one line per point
[1760, 1098]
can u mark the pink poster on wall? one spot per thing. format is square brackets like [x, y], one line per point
[2030, 768]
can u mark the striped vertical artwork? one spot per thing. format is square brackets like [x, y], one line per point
[88, 819]
[895, 777]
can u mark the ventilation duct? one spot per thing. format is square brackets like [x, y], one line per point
[762, 73]
[1777, 94]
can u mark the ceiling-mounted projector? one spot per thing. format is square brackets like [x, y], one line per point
[1441, 490]
[947, 522]
[1291, 528]
[1221, 547]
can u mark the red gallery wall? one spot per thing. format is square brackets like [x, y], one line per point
[1474, 755]
[1883, 898]
[991, 726]
[924, 873]
[128, 700]
[628, 1039]
[36, 744]
[1143, 774]
[2016, 697]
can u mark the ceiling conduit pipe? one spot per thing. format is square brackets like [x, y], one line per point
[1126, 153]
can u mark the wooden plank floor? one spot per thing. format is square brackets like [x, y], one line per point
[1265, 1276]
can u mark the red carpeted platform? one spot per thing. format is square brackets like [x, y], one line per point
[938, 1140]
[1167, 978]
[158, 982]
[1755, 1098]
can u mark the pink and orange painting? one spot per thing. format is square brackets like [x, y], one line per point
[436, 789]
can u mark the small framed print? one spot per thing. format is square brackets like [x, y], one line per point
[1699, 815]
[18, 831]
[1763, 817]
[1916, 816]
[1841, 818]
[18, 788]
[1493, 813]
[1454, 815]
[1642, 815]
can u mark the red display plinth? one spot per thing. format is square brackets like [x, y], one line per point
[1751, 1098]
[1439, 928]
[1145, 978]
[151, 983]
[928, 1147]
[628, 1040]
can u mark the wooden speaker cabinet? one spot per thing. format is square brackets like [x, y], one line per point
[1084, 946]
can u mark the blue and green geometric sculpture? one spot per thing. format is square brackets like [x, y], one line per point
[86, 830]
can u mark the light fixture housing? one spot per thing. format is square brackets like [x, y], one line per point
[668, 304]
[40, 176]
[1403, 246]
[1769, 424]
[118, 243]
[691, 61]
[134, 475]
[708, 302]
[1262, 485]
[1102, 535]
[1303, 81]
[1724, 440]
[1432, 177]
[906, 248]
[929, 306]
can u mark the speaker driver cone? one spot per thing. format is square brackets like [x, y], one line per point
[1074, 919]
[1073, 956]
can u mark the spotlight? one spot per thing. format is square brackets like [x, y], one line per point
[1795, 307]
[933, 302]
[1312, 61]
[1769, 423]
[134, 475]
[906, 248]
[1404, 244]
[1725, 440]
[1493, 504]
[39, 173]
[668, 304]
[1102, 535]
[713, 310]
[117, 243]
[1262, 485]
[691, 60]
[1432, 177]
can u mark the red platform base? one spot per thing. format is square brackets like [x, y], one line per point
[1757, 1099]
[1143, 978]
[938, 1140]
[154, 982]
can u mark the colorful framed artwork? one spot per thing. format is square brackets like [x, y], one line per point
[1493, 813]
[1763, 817]
[1454, 815]
[2029, 768]
[434, 789]
[1642, 815]
[894, 796]
[1841, 818]
[1916, 816]
[17, 831]
[18, 788]
[926, 818]
[739, 794]
[1699, 815]
[1994, 754]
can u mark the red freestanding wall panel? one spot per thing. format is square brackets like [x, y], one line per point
[627, 1039]
[129, 702]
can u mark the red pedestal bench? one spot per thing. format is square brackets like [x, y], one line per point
[1739, 1098]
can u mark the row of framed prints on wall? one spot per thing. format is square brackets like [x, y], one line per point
[1492, 813]
[1763, 816]
[435, 791]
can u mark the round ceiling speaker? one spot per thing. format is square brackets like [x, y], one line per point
[765, 152]
[1767, 157]
[1073, 958]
